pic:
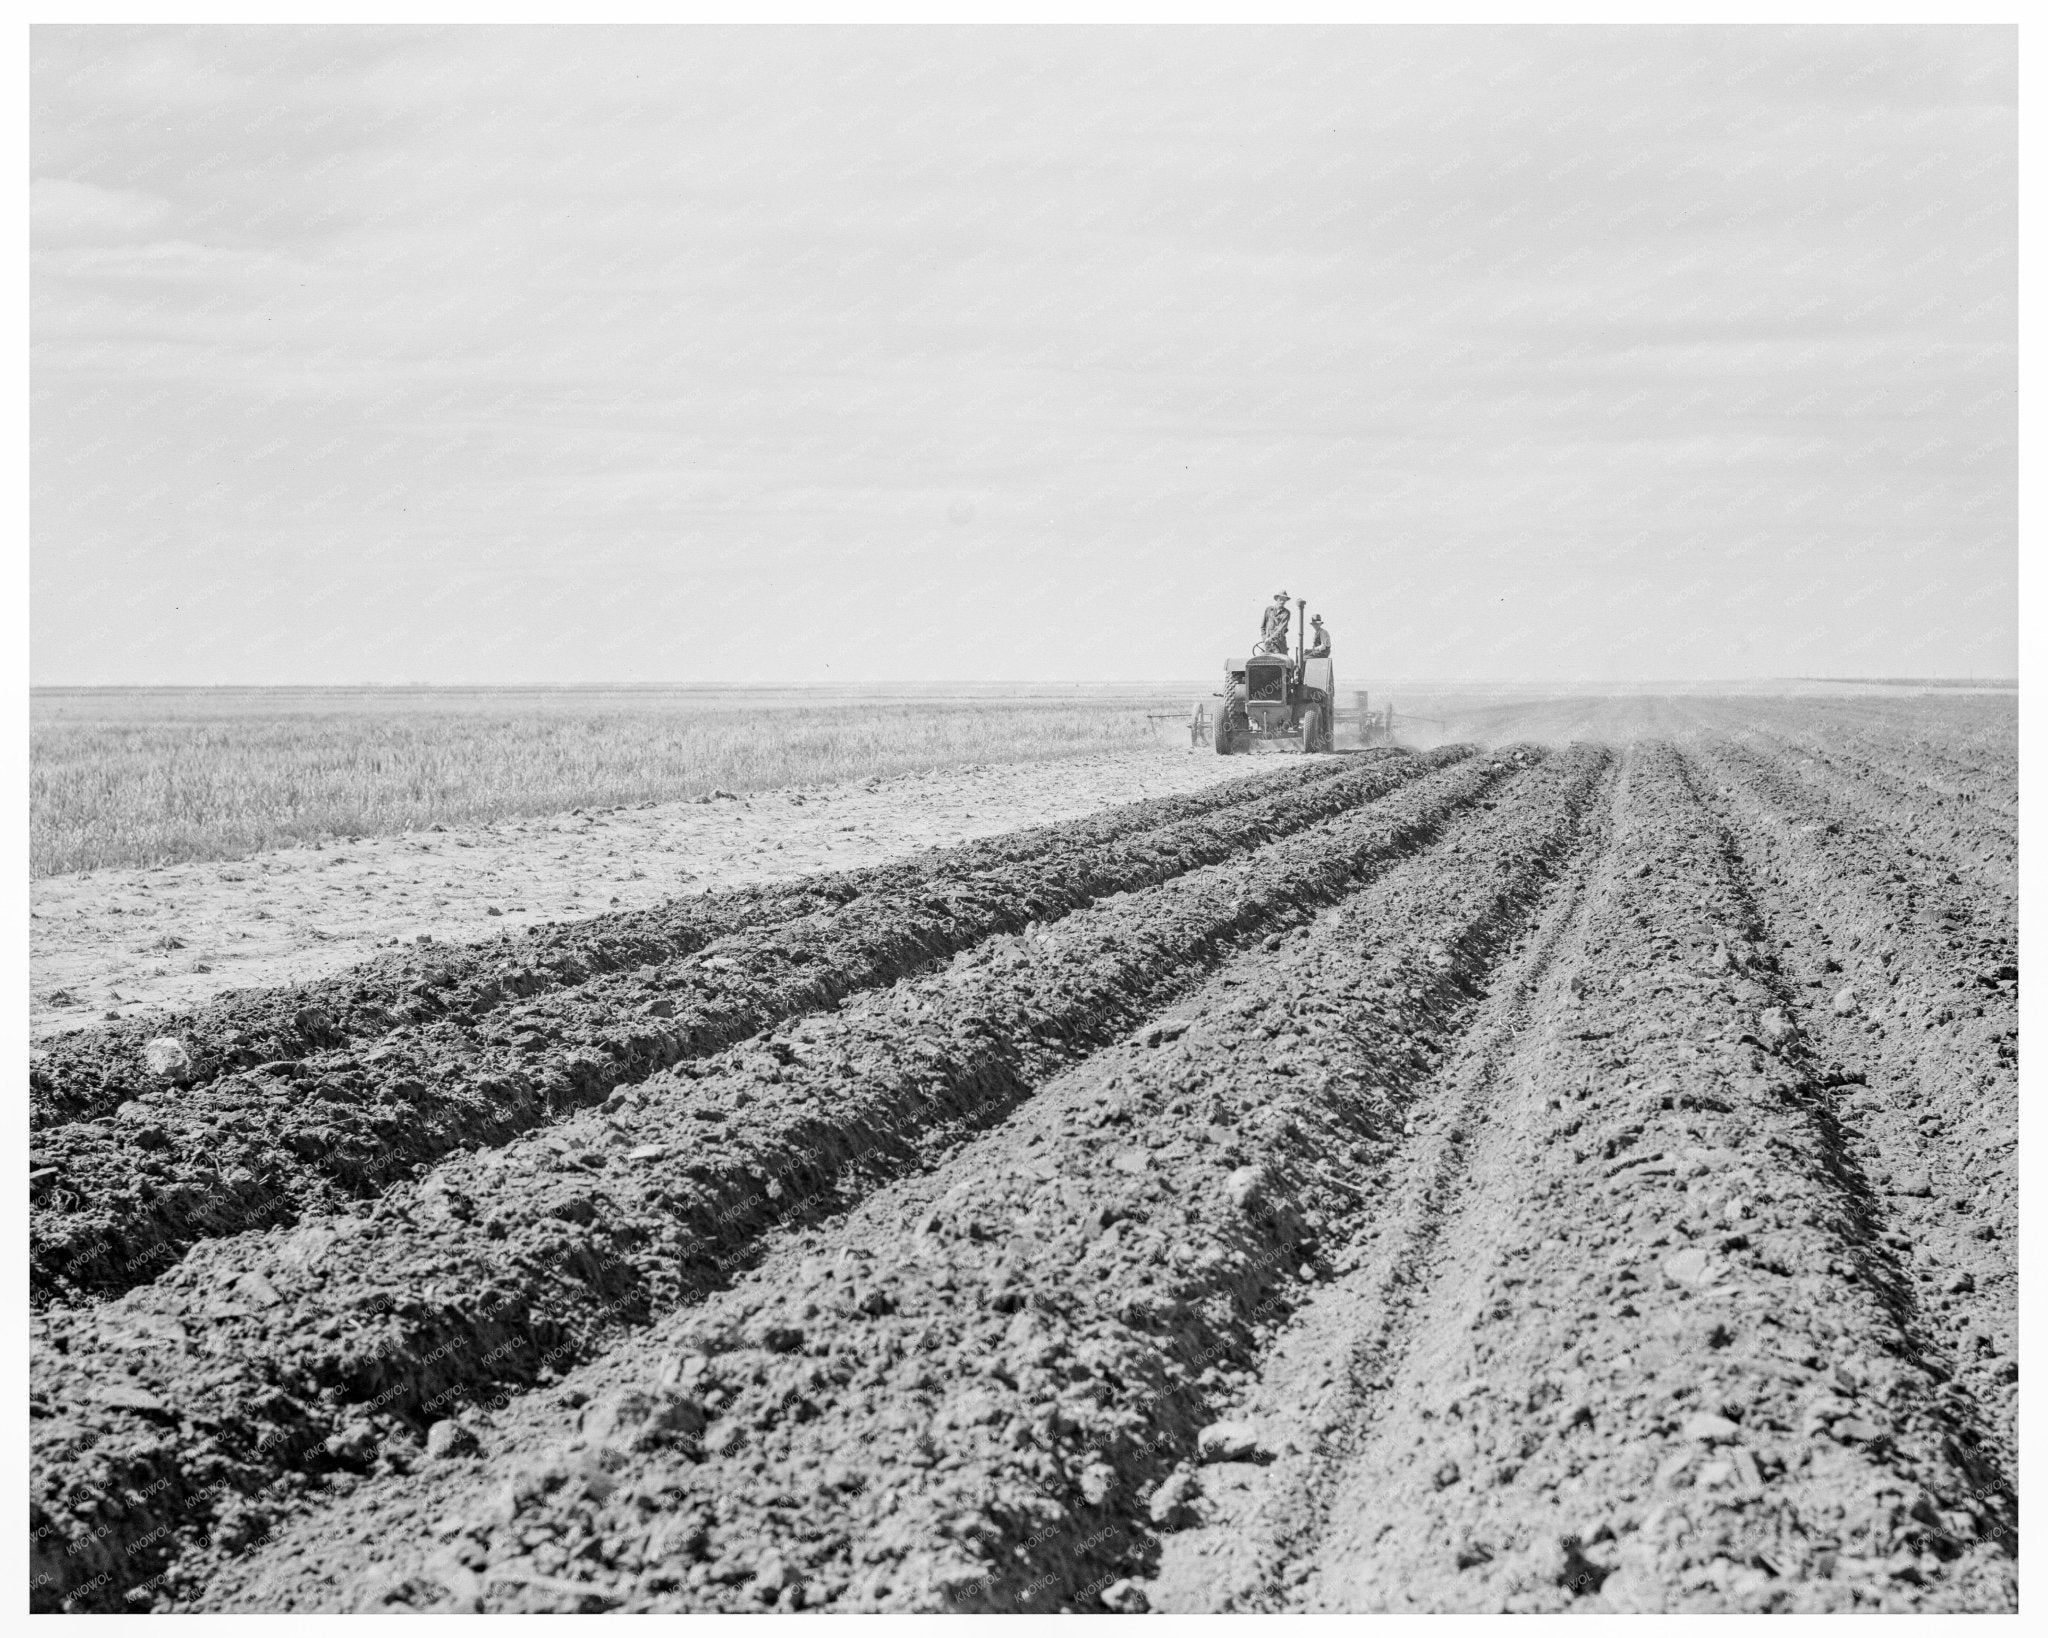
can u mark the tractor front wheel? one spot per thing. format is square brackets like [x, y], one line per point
[1233, 726]
[1315, 729]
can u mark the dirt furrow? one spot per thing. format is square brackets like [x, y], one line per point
[1249, 1531]
[1972, 919]
[1932, 822]
[1977, 757]
[1898, 770]
[117, 1201]
[1921, 952]
[969, 1392]
[197, 1406]
[92, 1072]
[1926, 1059]
[1661, 1361]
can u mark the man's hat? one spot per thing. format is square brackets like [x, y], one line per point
[1315, 619]
[1279, 597]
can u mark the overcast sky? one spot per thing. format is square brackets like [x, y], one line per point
[521, 355]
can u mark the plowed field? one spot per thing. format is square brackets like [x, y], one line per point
[1565, 1175]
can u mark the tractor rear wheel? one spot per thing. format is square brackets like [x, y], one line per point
[1232, 726]
[1315, 732]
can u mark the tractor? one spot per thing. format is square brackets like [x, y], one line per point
[1274, 697]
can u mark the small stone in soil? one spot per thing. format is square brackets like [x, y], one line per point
[1125, 1597]
[1776, 1026]
[1244, 1185]
[1689, 1267]
[167, 1057]
[1231, 1442]
[1172, 1502]
[1710, 1429]
[447, 1440]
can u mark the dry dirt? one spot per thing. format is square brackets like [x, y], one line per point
[1552, 1176]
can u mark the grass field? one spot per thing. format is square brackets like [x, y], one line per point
[143, 777]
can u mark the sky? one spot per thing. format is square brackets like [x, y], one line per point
[518, 355]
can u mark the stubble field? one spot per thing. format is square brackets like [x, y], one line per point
[1578, 1172]
[125, 777]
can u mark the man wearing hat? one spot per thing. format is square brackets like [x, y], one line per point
[1319, 639]
[1273, 632]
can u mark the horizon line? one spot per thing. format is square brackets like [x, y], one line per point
[1948, 680]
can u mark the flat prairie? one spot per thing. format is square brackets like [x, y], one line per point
[1571, 1165]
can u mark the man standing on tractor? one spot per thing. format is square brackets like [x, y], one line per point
[1319, 642]
[1273, 631]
